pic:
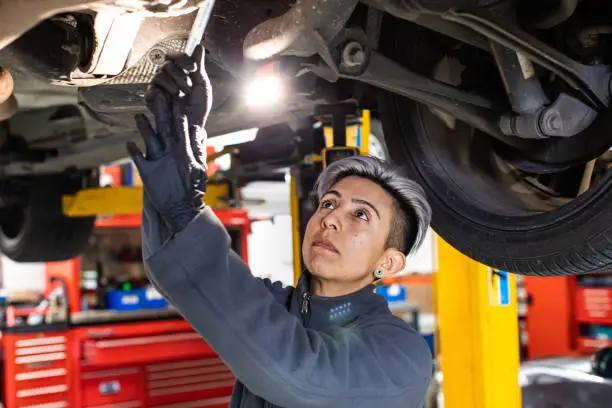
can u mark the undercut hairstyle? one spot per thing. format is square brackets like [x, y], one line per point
[411, 215]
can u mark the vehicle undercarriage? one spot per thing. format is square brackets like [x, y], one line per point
[499, 108]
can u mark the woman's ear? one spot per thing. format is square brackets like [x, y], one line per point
[393, 262]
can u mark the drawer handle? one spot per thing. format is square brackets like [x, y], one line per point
[199, 403]
[108, 373]
[191, 380]
[189, 388]
[109, 387]
[184, 364]
[138, 341]
[26, 351]
[58, 404]
[39, 358]
[33, 392]
[220, 368]
[32, 375]
[40, 342]
[129, 404]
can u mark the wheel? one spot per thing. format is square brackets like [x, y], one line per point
[483, 206]
[36, 230]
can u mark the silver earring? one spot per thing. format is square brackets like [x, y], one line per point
[379, 273]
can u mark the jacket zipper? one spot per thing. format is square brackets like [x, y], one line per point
[305, 306]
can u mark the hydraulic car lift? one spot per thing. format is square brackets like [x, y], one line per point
[477, 332]
[477, 339]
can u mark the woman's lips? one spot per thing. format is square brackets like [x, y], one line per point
[325, 244]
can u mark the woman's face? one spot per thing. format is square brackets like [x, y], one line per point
[345, 239]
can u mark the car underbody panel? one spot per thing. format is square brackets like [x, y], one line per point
[507, 100]
[109, 52]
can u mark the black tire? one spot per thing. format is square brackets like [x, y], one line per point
[38, 231]
[472, 210]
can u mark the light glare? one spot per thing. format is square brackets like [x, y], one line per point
[264, 91]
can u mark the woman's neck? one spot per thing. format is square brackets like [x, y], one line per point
[326, 288]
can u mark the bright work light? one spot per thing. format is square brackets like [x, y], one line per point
[265, 88]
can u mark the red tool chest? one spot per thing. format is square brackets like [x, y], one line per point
[147, 358]
[36, 369]
[149, 364]
[114, 366]
[568, 315]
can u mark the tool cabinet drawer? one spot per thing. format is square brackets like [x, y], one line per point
[41, 379]
[116, 387]
[594, 305]
[193, 383]
[50, 396]
[144, 349]
[46, 353]
[218, 402]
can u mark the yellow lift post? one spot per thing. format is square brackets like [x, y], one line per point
[354, 140]
[477, 335]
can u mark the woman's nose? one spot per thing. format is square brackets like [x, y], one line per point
[331, 221]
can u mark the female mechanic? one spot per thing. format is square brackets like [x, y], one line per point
[330, 341]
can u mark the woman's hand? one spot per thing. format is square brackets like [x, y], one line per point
[186, 78]
[174, 169]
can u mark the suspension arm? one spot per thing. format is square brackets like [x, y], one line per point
[384, 73]
[374, 69]
[590, 80]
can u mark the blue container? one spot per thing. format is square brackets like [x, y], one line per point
[135, 299]
[123, 300]
[393, 293]
[152, 299]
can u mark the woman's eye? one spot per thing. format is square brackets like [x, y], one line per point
[362, 214]
[327, 204]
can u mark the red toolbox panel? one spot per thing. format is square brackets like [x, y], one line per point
[220, 402]
[199, 383]
[39, 353]
[122, 386]
[57, 380]
[589, 344]
[594, 305]
[47, 397]
[144, 349]
[36, 369]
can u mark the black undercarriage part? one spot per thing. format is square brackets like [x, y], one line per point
[592, 81]
[357, 62]
[566, 117]
[533, 117]
[293, 33]
[520, 80]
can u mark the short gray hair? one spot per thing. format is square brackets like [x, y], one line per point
[406, 192]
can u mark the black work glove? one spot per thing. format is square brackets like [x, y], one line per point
[173, 172]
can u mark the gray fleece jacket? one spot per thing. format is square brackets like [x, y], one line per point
[287, 348]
